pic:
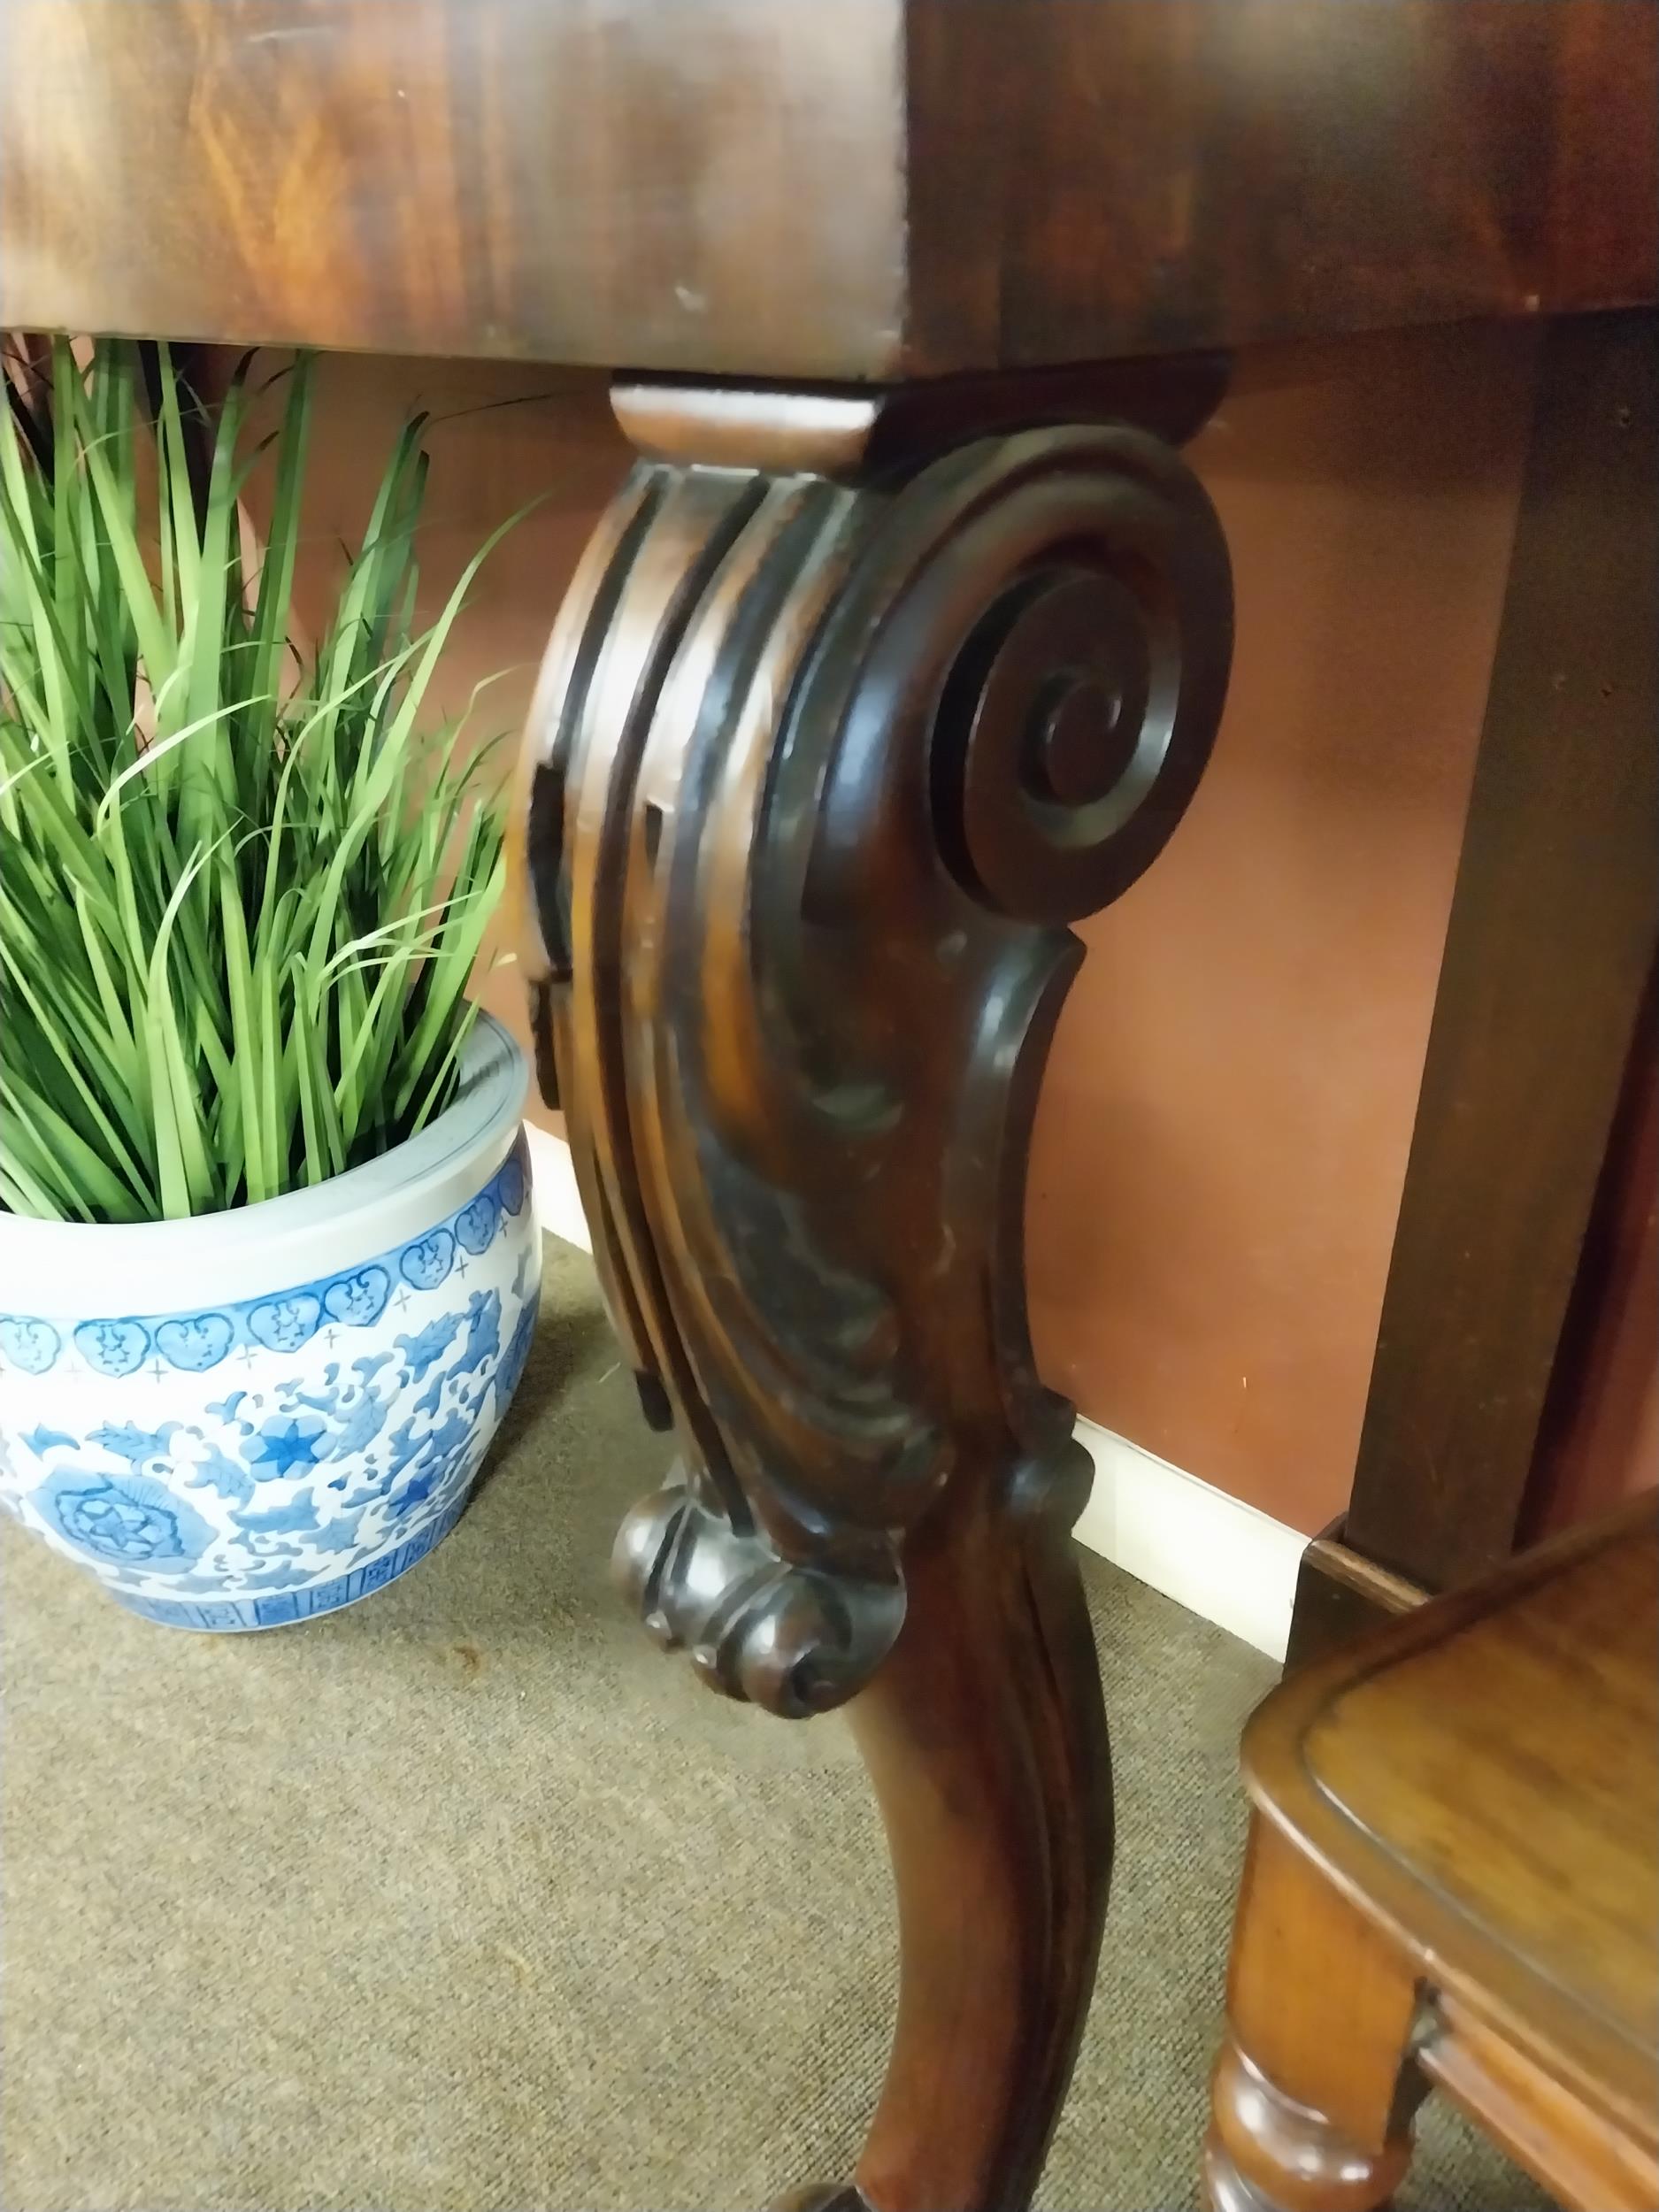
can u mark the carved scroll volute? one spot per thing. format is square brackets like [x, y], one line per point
[817, 778]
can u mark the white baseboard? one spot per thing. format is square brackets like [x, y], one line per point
[1201, 1546]
[1208, 1551]
[559, 1205]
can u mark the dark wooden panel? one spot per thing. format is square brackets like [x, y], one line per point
[703, 183]
[1093, 177]
[1599, 1438]
[1340, 1595]
[1550, 939]
[850, 189]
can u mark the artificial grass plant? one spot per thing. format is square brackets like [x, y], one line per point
[241, 891]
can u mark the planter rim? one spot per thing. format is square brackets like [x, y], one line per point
[397, 1193]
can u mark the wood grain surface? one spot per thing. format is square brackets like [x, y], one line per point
[1154, 174]
[1460, 1817]
[1510, 1766]
[710, 183]
[863, 188]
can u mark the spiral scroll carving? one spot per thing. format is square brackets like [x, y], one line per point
[817, 776]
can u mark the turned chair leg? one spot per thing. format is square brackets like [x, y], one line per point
[1315, 2091]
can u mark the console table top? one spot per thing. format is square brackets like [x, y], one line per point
[819, 189]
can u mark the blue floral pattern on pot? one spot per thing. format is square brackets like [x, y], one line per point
[254, 1463]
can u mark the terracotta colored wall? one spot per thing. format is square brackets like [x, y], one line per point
[1222, 1140]
[1223, 1134]
[500, 434]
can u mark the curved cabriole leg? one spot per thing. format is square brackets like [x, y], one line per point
[819, 771]
[985, 1739]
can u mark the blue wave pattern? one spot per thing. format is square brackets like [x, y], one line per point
[281, 1609]
[335, 1450]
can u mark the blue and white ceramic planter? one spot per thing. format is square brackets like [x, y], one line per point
[251, 1418]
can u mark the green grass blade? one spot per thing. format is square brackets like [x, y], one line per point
[241, 895]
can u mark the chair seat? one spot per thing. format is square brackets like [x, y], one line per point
[1477, 1791]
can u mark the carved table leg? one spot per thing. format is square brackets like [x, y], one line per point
[985, 1739]
[817, 773]
[1315, 2090]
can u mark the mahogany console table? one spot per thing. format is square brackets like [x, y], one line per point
[901, 648]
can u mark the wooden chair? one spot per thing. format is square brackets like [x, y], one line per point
[1453, 1883]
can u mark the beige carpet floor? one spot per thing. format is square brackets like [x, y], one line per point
[466, 1901]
